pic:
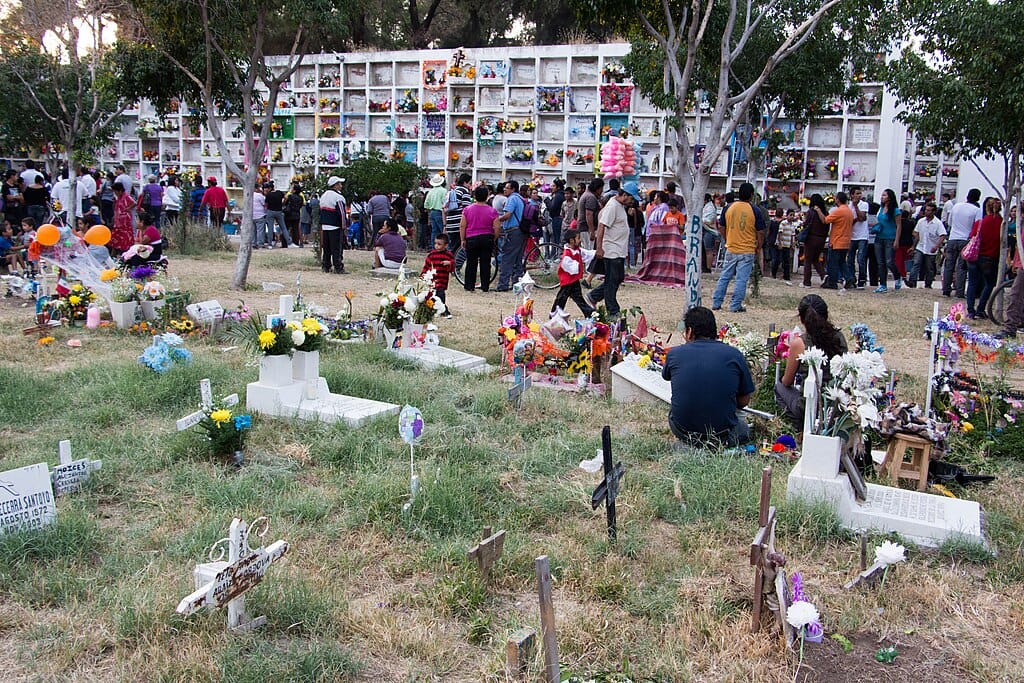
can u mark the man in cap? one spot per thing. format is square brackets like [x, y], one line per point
[332, 225]
[216, 199]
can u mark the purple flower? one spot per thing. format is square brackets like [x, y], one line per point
[798, 586]
[142, 273]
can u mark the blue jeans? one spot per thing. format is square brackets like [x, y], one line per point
[857, 261]
[511, 268]
[740, 267]
[839, 267]
[275, 222]
[259, 234]
[981, 280]
[885, 254]
[436, 224]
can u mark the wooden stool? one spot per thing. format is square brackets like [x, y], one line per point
[920, 455]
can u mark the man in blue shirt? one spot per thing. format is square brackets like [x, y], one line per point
[512, 238]
[710, 383]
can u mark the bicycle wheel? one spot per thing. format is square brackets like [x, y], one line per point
[996, 307]
[541, 262]
[460, 265]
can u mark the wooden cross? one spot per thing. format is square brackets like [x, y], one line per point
[488, 551]
[43, 323]
[608, 489]
[522, 382]
[206, 394]
[547, 620]
[220, 583]
[770, 585]
[70, 474]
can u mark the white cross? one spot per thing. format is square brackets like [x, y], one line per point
[206, 393]
[70, 474]
[220, 583]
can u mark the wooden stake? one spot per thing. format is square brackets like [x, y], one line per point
[519, 652]
[547, 620]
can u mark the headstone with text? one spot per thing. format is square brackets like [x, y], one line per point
[26, 499]
[70, 474]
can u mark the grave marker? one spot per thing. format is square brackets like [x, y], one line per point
[206, 397]
[515, 392]
[770, 585]
[519, 652]
[206, 312]
[220, 583]
[43, 324]
[608, 489]
[26, 499]
[547, 620]
[70, 474]
[487, 552]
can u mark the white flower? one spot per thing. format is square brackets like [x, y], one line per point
[384, 302]
[814, 357]
[411, 304]
[801, 613]
[868, 414]
[298, 337]
[890, 553]
[439, 306]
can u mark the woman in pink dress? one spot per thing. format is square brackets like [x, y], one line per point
[121, 235]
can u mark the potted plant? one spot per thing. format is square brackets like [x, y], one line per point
[152, 298]
[123, 302]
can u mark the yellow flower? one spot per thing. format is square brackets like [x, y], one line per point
[643, 361]
[967, 427]
[77, 288]
[109, 274]
[267, 339]
[220, 416]
[311, 326]
[43, 341]
[74, 299]
[534, 327]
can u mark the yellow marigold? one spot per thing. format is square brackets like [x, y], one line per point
[967, 427]
[77, 288]
[74, 299]
[311, 326]
[43, 341]
[267, 339]
[220, 416]
[109, 274]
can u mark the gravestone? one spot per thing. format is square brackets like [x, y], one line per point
[926, 519]
[608, 490]
[432, 357]
[26, 499]
[70, 474]
[206, 312]
[206, 398]
[220, 583]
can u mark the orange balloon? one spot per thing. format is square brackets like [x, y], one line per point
[97, 235]
[48, 235]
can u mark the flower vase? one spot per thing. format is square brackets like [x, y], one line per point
[820, 456]
[151, 309]
[306, 366]
[413, 335]
[123, 313]
[387, 336]
[276, 371]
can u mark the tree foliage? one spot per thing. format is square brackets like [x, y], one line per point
[375, 172]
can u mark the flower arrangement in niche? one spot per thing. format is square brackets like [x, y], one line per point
[521, 154]
[488, 129]
[613, 72]
[551, 99]
[832, 166]
[616, 98]
[463, 128]
[529, 125]
[408, 103]
[381, 106]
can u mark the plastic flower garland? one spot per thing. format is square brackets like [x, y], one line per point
[165, 350]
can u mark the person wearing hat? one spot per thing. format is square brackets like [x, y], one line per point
[216, 199]
[332, 222]
[434, 204]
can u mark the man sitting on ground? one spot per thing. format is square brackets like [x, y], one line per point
[710, 383]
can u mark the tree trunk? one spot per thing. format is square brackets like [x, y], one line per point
[246, 230]
[695, 185]
[73, 208]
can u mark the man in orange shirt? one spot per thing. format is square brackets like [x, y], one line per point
[841, 220]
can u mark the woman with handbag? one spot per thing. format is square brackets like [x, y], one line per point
[982, 256]
[814, 235]
[887, 232]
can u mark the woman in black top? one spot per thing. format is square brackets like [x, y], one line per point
[817, 233]
[37, 199]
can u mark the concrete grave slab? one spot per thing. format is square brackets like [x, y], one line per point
[436, 357]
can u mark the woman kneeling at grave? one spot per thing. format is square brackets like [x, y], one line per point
[818, 331]
[149, 245]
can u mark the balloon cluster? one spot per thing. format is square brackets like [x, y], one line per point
[49, 235]
[618, 158]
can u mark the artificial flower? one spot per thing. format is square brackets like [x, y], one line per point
[74, 299]
[801, 613]
[220, 416]
[890, 553]
[311, 326]
[43, 341]
[267, 339]
[298, 337]
[967, 427]
[109, 274]
[243, 422]
[76, 287]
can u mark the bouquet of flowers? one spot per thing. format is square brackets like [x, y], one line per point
[832, 166]
[551, 99]
[261, 339]
[616, 98]
[529, 125]
[414, 301]
[165, 350]
[849, 399]
[123, 290]
[225, 432]
[307, 335]
[276, 129]
[464, 128]
[849, 172]
[74, 302]
[408, 103]
[519, 154]
[614, 72]
[378, 107]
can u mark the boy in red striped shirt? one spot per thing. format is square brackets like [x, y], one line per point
[570, 272]
[442, 262]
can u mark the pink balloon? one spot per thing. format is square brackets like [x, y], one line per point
[629, 170]
[609, 176]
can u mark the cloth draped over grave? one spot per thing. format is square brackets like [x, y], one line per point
[664, 258]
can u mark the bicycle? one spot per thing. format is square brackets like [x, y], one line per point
[540, 260]
[995, 309]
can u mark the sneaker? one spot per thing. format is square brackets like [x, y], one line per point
[294, 246]
[788, 283]
[741, 309]
[882, 289]
[446, 314]
[713, 308]
[842, 291]
[803, 286]
[899, 283]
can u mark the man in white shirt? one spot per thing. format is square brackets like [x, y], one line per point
[712, 240]
[125, 180]
[858, 254]
[961, 220]
[947, 208]
[930, 233]
[88, 188]
[612, 244]
[28, 176]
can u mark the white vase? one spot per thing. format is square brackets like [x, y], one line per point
[820, 456]
[123, 313]
[387, 336]
[151, 309]
[306, 366]
[413, 335]
[276, 371]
